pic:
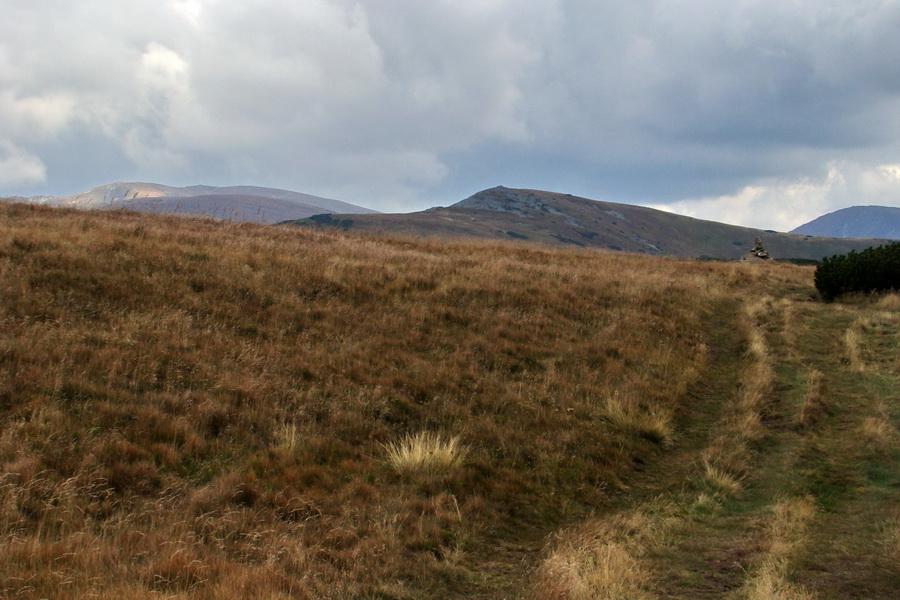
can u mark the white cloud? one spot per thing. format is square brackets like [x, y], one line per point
[162, 68]
[190, 10]
[43, 115]
[18, 167]
[784, 205]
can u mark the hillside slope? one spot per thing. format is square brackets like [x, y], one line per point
[856, 222]
[201, 409]
[228, 207]
[564, 220]
[232, 203]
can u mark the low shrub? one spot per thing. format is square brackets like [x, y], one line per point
[872, 270]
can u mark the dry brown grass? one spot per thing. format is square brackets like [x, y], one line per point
[604, 558]
[889, 302]
[876, 434]
[195, 408]
[727, 460]
[426, 453]
[853, 347]
[652, 423]
[889, 546]
[813, 407]
[785, 537]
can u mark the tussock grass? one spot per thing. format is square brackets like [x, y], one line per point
[785, 537]
[877, 434]
[787, 526]
[604, 557]
[592, 571]
[653, 423]
[288, 436]
[770, 584]
[722, 480]
[889, 302]
[853, 347]
[426, 453]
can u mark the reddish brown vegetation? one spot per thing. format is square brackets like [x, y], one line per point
[197, 408]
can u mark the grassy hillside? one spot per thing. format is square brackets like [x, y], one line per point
[199, 409]
[564, 220]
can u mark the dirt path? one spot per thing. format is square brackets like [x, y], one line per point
[825, 454]
[830, 439]
[505, 570]
[851, 459]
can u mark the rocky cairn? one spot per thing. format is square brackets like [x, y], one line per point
[758, 253]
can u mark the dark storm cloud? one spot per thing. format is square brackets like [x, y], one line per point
[704, 107]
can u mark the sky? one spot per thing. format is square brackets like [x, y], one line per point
[764, 113]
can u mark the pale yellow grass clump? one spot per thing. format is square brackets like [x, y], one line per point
[889, 302]
[287, 436]
[654, 424]
[792, 325]
[720, 480]
[853, 347]
[769, 584]
[877, 434]
[426, 452]
[604, 559]
[595, 571]
[785, 535]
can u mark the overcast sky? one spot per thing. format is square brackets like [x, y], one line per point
[764, 113]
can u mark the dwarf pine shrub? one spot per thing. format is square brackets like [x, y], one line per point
[872, 270]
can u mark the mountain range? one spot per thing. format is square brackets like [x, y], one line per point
[233, 203]
[566, 220]
[856, 222]
[547, 218]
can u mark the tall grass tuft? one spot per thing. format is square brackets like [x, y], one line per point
[853, 347]
[605, 558]
[426, 453]
[876, 434]
[654, 424]
[591, 571]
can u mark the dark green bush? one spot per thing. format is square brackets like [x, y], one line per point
[872, 270]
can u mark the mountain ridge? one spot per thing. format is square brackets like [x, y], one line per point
[559, 219]
[233, 203]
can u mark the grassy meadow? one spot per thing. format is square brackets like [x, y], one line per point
[198, 409]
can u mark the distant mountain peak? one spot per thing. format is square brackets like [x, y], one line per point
[508, 200]
[881, 222]
[234, 203]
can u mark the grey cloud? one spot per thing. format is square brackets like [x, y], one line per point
[395, 103]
